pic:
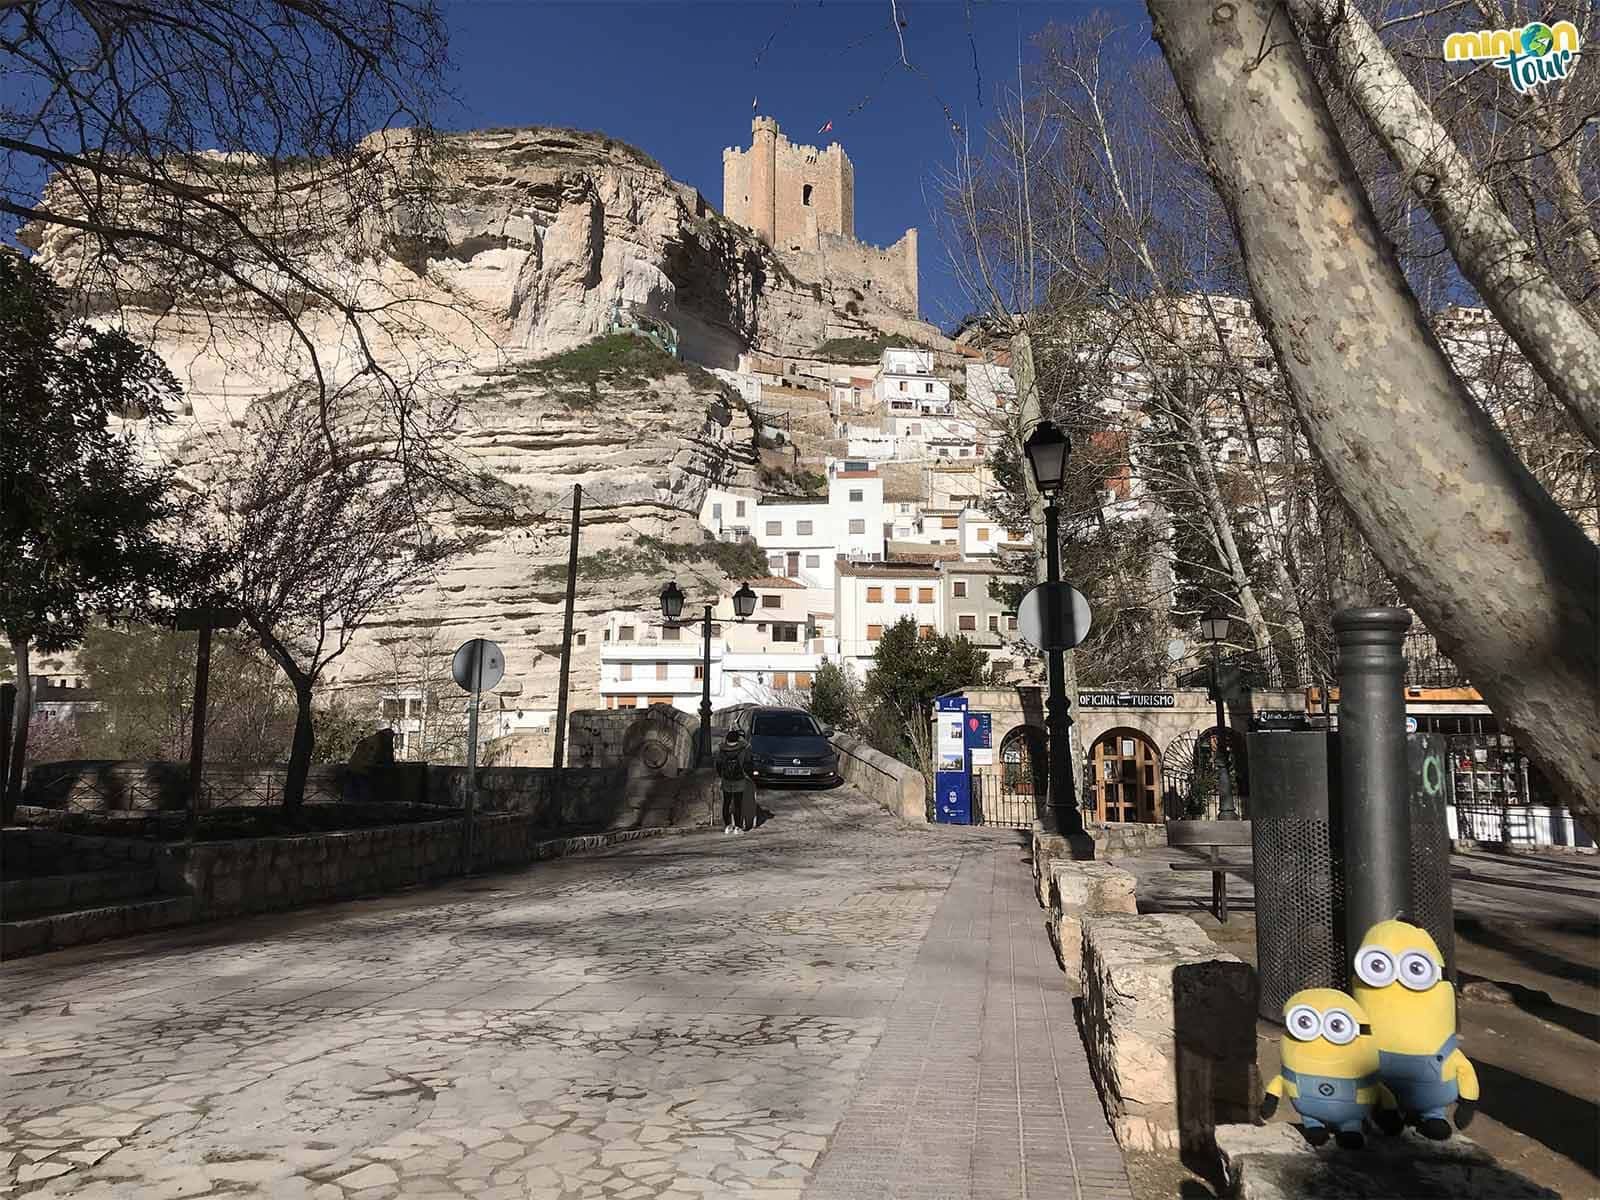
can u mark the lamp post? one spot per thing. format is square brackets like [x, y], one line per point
[1047, 448]
[1214, 628]
[744, 603]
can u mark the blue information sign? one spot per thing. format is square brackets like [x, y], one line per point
[952, 802]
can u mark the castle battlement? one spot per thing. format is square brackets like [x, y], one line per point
[797, 198]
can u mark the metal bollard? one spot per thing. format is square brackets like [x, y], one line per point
[1373, 775]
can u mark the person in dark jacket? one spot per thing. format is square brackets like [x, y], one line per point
[737, 788]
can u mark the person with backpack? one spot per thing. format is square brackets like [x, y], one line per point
[738, 799]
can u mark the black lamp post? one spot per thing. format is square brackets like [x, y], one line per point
[744, 603]
[1214, 628]
[1047, 448]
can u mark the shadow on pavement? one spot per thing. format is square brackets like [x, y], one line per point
[1542, 1005]
[1563, 1122]
[1491, 938]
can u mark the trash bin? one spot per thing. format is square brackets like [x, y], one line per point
[1299, 878]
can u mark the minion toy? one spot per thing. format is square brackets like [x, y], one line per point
[1400, 982]
[1330, 1067]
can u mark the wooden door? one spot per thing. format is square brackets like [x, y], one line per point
[1127, 777]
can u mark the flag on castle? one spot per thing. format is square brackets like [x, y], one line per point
[828, 128]
[752, 104]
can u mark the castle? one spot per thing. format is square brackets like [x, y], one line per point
[801, 201]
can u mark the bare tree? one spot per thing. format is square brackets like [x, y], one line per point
[1504, 578]
[214, 162]
[320, 539]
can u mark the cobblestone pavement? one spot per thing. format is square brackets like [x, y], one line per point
[831, 1002]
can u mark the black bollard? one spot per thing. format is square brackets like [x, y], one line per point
[1373, 770]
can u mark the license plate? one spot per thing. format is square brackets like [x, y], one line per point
[796, 770]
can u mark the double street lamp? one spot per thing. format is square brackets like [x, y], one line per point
[1214, 628]
[1047, 449]
[744, 603]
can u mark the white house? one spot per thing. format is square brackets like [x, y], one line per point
[871, 597]
[907, 386]
[803, 535]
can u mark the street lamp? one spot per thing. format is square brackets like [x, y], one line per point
[1214, 628]
[744, 603]
[1047, 448]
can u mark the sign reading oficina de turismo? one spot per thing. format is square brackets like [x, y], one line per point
[1537, 53]
[1125, 700]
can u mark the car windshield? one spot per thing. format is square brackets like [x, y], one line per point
[784, 724]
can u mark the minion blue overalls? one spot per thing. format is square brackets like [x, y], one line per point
[1416, 1080]
[1325, 1100]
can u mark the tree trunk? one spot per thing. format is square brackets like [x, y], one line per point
[1544, 322]
[305, 740]
[22, 717]
[1505, 580]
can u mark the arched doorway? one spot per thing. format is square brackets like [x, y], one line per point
[1205, 764]
[1125, 777]
[1012, 792]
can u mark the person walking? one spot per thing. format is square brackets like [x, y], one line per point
[732, 767]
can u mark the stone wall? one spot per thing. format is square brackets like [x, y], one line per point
[106, 785]
[898, 788]
[891, 270]
[1117, 839]
[659, 735]
[1169, 1022]
[1077, 890]
[578, 798]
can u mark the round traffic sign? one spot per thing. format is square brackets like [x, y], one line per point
[478, 665]
[1072, 622]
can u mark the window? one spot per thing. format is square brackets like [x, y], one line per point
[775, 561]
[948, 522]
[625, 672]
[855, 495]
[671, 633]
[924, 595]
[660, 700]
[716, 512]
[813, 560]
[771, 600]
[783, 723]
[785, 631]
[605, 635]
[913, 430]
[1011, 623]
[927, 388]
[805, 195]
[858, 525]
[961, 589]
[874, 633]
[583, 639]
[874, 595]
[802, 680]
[774, 528]
[699, 671]
[661, 670]
[994, 622]
[738, 508]
[803, 528]
[902, 385]
[625, 633]
[925, 630]
[966, 622]
[627, 702]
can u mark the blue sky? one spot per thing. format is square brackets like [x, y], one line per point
[676, 78]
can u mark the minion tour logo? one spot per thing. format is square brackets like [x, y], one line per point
[1537, 53]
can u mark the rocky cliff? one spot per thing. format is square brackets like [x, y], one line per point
[530, 242]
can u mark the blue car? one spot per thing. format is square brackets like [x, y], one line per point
[788, 745]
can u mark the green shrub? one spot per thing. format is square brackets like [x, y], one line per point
[861, 350]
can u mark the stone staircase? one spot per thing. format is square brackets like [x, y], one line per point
[60, 890]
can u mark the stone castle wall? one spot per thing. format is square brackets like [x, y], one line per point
[801, 201]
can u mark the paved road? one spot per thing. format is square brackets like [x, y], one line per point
[832, 1006]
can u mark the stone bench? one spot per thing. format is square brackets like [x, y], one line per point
[1169, 1021]
[1077, 890]
[1273, 1162]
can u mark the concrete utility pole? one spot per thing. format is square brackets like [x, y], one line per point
[559, 754]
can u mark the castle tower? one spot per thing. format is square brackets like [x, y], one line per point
[764, 179]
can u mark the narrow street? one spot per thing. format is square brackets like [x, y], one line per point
[833, 1006]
